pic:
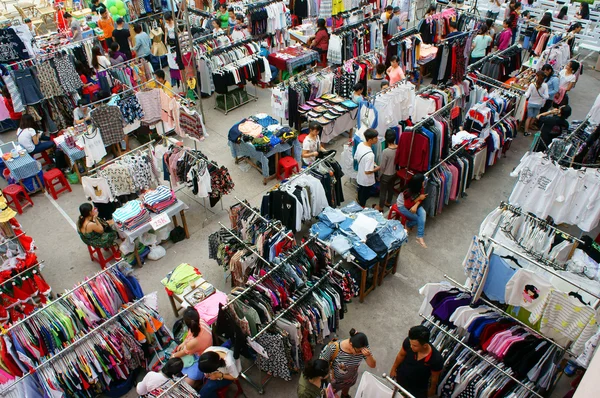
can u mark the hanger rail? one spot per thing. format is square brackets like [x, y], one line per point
[175, 385]
[39, 264]
[432, 322]
[138, 149]
[397, 386]
[308, 168]
[434, 114]
[446, 158]
[269, 222]
[492, 55]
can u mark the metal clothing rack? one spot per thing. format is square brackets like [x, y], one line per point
[297, 301]
[445, 159]
[38, 265]
[231, 46]
[138, 149]
[503, 117]
[176, 384]
[493, 55]
[387, 89]
[486, 80]
[432, 322]
[308, 168]
[41, 57]
[458, 36]
[75, 343]
[404, 34]
[260, 4]
[269, 222]
[397, 387]
[501, 311]
[356, 24]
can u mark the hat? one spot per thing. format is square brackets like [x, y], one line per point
[6, 213]
[396, 9]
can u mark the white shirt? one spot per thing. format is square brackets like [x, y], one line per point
[93, 146]
[564, 80]
[104, 62]
[151, 382]
[312, 146]
[232, 366]
[494, 7]
[429, 290]
[97, 189]
[526, 289]
[366, 162]
[25, 138]
[537, 96]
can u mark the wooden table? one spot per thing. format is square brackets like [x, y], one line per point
[364, 271]
[176, 299]
[385, 269]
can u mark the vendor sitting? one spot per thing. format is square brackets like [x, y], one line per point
[81, 114]
[30, 139]
[320, 42]
[95, 231]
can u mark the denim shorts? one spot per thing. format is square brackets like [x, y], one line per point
[322, 229]
[352, 207]
[340, 244]
[346, 224]
[334, 216]
[393, 234]
[363, 252]
[376, 215]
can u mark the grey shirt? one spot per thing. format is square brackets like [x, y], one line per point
[374, 85]
[76, 29]
[394, 25]
[142, 44]
[387, 162]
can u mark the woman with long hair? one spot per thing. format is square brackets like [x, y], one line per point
[93, 230]
[99, 61]
[320, 42]
[546, 20]
[584, 11]
[562, 14]
[481, 43]
[537, 94]
[311, 382]
[198, 339]
[409, 203]
[220, 369]
[32, 140]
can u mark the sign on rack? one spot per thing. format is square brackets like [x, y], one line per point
[160, 221]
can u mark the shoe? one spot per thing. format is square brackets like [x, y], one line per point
[526, 134]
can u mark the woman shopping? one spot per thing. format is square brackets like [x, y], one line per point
[387, 179]
[220, 369]
[409, 204]
[154, 380]
[395, 72]
[94, 231]
[313, 377]
[198, 339]
[480, 44]
[344, 358]
[537, 94]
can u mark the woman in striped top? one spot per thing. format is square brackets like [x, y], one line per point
[344, 358]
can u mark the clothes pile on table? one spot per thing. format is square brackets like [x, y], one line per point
[131, 216]
[327, 108]
[159, 199]
[263, 131]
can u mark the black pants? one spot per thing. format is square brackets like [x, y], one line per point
[386, 189]
[547, 106]
[363, 195]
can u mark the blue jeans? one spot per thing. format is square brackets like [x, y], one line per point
[209, 389]
[43, 144]
[417, 219]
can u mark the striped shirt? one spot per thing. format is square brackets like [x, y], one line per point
[345, 365]
[160, 194]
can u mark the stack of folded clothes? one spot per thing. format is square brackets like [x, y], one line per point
[159, 199]
[131, 215]
[326, 109]
[263, 131]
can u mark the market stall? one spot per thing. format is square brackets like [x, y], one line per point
[293, 57]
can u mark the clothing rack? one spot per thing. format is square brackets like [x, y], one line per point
[356, 24]
[451, 39]
[403, 34]
[11, 239]
[156, 14]
[260, 4]
[269, 223]
[231, 46]
[75, 343]
[486, 80]
[497, 309]
[385, 90]
[138, 149]
[296, 302]
[517, 210]
[122, 63]
[209, 36]
[503, 117]
[550, 271]
[40, 57]
[64, 295]
[492, 55]
[201, 13]
[165, 393]
[580, 127]
[39, 264]
[432, 322]
[262, 278]
[397, 387]
[122, 92]
[445, 159]
[308, 168]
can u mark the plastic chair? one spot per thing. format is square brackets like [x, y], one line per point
[97, 255]
[222, 393]
[43, 156]
[394, 214]
[52, 178]
[12, 193]
[301, 138]
[288, 164]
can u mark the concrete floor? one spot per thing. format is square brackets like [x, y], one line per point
[387, 313]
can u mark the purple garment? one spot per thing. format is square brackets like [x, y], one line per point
[448, 306]
[442, 295]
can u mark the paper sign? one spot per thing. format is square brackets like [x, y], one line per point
[160, 221]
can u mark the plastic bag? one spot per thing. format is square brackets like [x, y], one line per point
[126, 247]
[156, 252]
[163, 233]
[148, 239]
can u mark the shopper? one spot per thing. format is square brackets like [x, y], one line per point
[216, 27]
[219, 368]
[505, 37]
[97, 7]
[552, 125]
[545, 22]
[30, 139]
[344, 358]
[409, 204]
[122, 36]
[88, 79]
[537, 94]
[387, 178]
[313, 377]
[232, 20]
[320, 42]
[99, 61]
[562, 14]
[394, 25]
[264, 52]
[93, 230]
[514, 20]
[162, 83]
[395, 72]
[584, 11]
[480, 44]
[74, 25]
[452, 30]
[374, 84]
[223, 16]
[170, 37]
[367, 168]
[567, 77]
[198, 339]
[81, 114]
[384, 84]
[143, 44]
[553, 85]
[385, 17]
[418, 364]
[312, 143]
[358, 93]
[494, 10]
[107, 25]
[115, 55]
[240, 29]
[571, 32]
[154, 380]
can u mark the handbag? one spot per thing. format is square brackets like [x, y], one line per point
[105, 225]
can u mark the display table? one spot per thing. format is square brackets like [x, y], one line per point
[292, 57]
[302, 33]
[72, 155]
[338, 126]
[178, 207]
[22, 167]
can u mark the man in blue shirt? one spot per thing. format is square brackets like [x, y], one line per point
[553, 85]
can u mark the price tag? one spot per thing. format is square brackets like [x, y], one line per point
[160, 221]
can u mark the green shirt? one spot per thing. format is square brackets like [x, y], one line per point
[306, 389]
[224, 18]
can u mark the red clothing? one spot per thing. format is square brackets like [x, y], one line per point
[419, 159]
[409, 199]
[11, 110]
[88, 89]
[321, 40]
[514, 19]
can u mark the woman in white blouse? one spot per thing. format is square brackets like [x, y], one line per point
[99, 61]
[537, 94]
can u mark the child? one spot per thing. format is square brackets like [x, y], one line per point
[357, 96]
[115, 56]
[388, 171]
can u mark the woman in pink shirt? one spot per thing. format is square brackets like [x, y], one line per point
[395, 72]
[198, 339]
[505, 37]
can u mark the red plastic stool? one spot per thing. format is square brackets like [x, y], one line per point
[53, 177]
[396, 215]
[12, 193]
[99, 256]
[43, 156]
[301, 137]
[288, 164]
[222, 393]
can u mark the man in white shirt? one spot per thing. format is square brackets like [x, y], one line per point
[366, 166]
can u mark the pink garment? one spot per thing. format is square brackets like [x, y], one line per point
[166, 105]
[151, 105]
[4, 113]
[501, 351]
[455, 178]
[498, 339]
[209, 307]
[250, 128]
